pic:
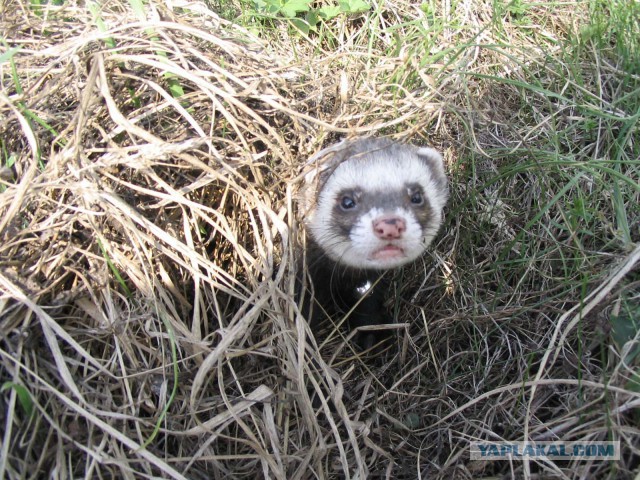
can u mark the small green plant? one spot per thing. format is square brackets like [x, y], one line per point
[625, 333]
[114, 269]
[517, 8]
[94, 8]
[9, 57]
[625, 327]
[175, 87]
[8, 161]
[291, 10]
[24, 397]
[286, 8]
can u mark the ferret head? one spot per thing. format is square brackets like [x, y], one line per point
[374, 203]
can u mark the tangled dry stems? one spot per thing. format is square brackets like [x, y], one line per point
[149, 240]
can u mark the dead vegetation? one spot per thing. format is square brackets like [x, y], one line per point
[148, 232]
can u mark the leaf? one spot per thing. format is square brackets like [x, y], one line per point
[301, 25]
[353, 6]
[36, 5]
[174, 86]
[139, 9]
[624, 328]
[24, 397]
[412, 421]
[312, 19]
[292, 7]
[633, 384]
[328, 12]
[8, 55]
[11, 160]
[94, 8]
[270, 6]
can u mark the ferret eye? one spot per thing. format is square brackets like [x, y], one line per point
[347, 203]
[416, 198]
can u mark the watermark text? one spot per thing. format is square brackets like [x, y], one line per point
[550, 450]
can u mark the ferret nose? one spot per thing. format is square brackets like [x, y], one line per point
[389, 228]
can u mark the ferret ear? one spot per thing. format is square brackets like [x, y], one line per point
[325, 161]
[319, 167]
[434, 160]
[318, 174]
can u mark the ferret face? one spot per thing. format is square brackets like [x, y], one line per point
[379, 204]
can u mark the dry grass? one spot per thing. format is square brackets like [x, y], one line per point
[148, 231]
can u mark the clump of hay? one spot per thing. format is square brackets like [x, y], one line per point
[148, 239]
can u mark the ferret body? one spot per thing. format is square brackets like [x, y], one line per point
[371, 205]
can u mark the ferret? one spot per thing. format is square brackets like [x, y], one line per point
[370, 205]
